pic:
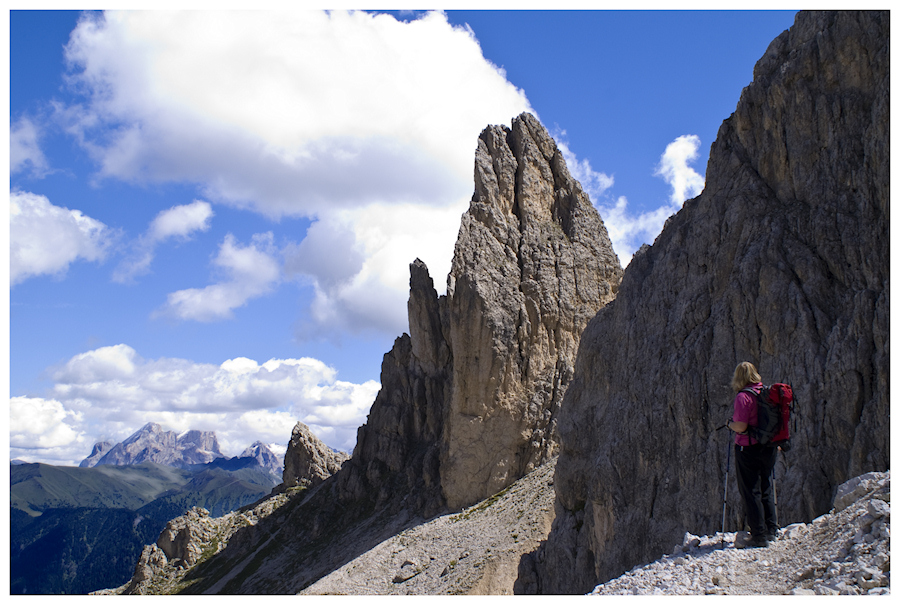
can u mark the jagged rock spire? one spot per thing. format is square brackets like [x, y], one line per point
[469, 398]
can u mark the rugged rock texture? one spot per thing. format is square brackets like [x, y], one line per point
[782, 261]
[308, 461]
[474, 551]
[189, 540]
[532, 265]
[153, 444]
[469, 399]
[184, 537]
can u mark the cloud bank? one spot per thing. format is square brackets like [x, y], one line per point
[337, 116]
[110, 392]
[46, 239]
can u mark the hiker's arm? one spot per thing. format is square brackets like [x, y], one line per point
[737, 427]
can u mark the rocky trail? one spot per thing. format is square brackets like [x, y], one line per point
[846, 552]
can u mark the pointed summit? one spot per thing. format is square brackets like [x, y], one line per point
[151, 443]
[469, 398]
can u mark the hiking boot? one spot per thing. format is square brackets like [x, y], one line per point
[758, 542]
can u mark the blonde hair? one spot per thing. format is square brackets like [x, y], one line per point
[745, 373]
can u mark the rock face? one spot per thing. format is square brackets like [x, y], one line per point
[781, 261]
[470, 397]
[184, 537]
[99, 450]
[153, 444]
[308, 461]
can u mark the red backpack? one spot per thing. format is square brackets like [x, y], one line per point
[773, 414]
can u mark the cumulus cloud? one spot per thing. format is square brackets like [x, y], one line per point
[181, 221]
[178, 222]
[673, 168]
[335, 116]
[42, 424]
[45, 239]
[110, 392]
[24, 148]
[305, 97]
[250, 271]
[359, 262]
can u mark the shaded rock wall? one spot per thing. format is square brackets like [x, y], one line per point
[782, 261]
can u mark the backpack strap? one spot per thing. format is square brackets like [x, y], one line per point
[757, 393]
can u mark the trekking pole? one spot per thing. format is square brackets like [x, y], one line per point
[725, 498]
[775, 494]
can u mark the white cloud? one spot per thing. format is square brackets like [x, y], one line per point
[628, 231]
[41, 424]
[100, 365]
[594, 183]
[178, 222]
[110, 392]
[45, 239]
[305, 96]
[673, 168]
[181, 221]
[359, 263]
[251, 272]
[334, 116]
[24, 148]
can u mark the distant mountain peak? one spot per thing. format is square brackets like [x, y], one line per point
[151, 443]
[99, 450]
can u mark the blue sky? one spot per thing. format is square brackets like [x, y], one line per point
[212, 214]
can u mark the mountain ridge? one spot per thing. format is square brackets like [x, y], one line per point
[189, 449]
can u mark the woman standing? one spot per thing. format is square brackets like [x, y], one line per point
[754, 462]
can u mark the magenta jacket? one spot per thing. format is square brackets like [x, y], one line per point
[745, 411]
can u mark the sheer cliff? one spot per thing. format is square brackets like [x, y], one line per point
[782, 261]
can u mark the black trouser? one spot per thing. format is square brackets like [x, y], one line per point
[754, 464]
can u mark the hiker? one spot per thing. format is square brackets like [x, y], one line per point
[754, 462]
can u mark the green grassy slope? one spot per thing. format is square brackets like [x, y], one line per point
[38, 487]
[76, 530]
